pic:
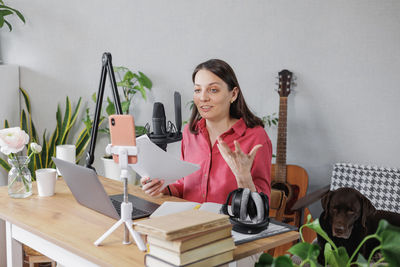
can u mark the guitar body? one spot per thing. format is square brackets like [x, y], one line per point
[297, 179]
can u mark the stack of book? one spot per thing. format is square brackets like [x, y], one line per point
[189, 238]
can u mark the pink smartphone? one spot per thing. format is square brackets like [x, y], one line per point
[122, 131]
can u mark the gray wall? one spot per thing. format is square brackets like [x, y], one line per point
[345, 54]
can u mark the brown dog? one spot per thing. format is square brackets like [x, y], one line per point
[348, 217]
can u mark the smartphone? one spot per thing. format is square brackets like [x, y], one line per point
[122, 132]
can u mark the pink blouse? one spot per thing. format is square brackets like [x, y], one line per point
[214, 180]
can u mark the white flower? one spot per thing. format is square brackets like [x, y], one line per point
[12, 140]
[36, 148]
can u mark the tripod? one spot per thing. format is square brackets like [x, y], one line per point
[126, 207]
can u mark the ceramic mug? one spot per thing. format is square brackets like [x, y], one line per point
[65, 152]
[46, 181]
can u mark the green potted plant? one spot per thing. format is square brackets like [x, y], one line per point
[387, 235]
[131, 83]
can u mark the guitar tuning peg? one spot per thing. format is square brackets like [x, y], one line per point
[276, 90]
[294, 78]
[276, 83]
[294, 84]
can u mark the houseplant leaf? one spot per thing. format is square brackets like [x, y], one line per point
[314, 225]
[24, 122]
[8, 24]
[66, 122]
[128, 76]
[73, 118]
[390, 247]
[329, 255]
[45, 151]
[5, 12]
[141, 90]
[125, 106]
[143, 79]
[361, 261]
[282, 261]
[83, 141]
[110, 109]
[300, 250]
[58, 118]
[265, 259]
[52, 147]
[31, 127]
[26, 99]
[5, 165]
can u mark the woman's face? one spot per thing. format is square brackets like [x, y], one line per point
[211, 96]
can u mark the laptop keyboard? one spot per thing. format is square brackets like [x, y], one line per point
[136, 213]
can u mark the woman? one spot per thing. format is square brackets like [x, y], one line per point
[224, 137]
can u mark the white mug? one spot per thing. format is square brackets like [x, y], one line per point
[46, 181]
[65, 152]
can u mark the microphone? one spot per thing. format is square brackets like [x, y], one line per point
[158, 119]
[162, 135]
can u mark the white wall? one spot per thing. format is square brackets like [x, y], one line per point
[345, 55]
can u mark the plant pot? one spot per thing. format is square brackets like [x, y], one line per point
[113, 171]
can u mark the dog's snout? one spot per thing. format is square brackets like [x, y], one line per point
[341, 231]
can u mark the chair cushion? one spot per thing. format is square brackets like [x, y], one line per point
[380, 185]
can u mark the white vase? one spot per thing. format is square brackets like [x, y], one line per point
[113, 171]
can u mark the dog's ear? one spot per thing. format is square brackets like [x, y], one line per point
[325, 203]
[367, 209]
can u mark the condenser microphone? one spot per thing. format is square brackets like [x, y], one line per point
[158, 120]
[162, 135]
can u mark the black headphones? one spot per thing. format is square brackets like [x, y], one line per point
[247, 204]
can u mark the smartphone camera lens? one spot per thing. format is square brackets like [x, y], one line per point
[112, 121]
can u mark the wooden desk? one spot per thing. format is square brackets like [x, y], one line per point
[64, 230]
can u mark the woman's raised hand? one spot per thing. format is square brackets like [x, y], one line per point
[239, 162]
[151, 187]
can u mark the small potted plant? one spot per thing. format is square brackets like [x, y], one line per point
[131, 83]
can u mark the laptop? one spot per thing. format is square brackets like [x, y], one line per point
[89, 192]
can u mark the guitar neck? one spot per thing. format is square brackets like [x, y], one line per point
[280, 174]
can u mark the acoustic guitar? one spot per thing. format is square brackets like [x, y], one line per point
[291, 179]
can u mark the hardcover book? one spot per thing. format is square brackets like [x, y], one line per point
[192, 255]
[181, 224]
[152, 261]
[192, 241]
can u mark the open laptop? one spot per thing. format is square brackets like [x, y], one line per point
[89, 192]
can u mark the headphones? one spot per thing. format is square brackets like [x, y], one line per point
[246, 204]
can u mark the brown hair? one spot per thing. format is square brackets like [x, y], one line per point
[238, 108]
